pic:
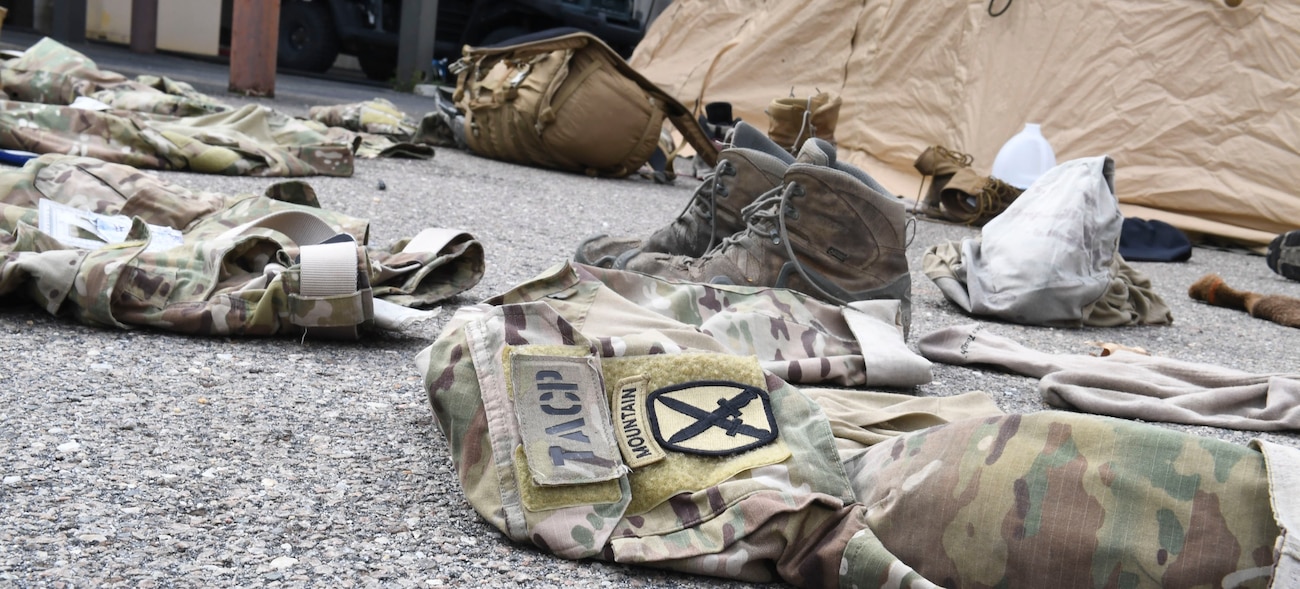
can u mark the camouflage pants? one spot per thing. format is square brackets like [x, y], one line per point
[601, 414]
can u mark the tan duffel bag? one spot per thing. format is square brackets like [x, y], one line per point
[567, 102]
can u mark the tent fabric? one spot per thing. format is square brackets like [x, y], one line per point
[1197, 103]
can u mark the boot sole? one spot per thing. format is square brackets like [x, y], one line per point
[580, 256]
[605, 261]
[1284, 255]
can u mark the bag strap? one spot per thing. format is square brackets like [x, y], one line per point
[681, 117]
[300, 226]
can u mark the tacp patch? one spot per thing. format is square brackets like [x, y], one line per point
[715, 418]
[564, 419]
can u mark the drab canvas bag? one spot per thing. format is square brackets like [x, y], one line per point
[567, 102]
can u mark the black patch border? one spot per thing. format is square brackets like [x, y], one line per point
[653, 417]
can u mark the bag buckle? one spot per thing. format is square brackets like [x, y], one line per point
[519, 76]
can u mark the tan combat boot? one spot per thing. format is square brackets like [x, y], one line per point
[974, 199]
[826, 234]
[794, 120]
[751, 166]
[939, 163]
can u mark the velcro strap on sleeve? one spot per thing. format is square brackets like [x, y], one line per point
[328, 269]
[329, 296]
[433, 240]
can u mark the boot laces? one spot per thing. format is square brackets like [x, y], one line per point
[759, 216]
[704, 200]
[957, 157]
[805, 125]
[765, 218]
[992, 199]
[795, 191]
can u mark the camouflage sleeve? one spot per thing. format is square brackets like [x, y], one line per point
[377, 128]
[51, 73]
[1060, 499]
[237, 284]
[161, 95]
[42, 128]
[418, 274]
[170, 125]
[377, 116]
[795, 337]
[253, 140]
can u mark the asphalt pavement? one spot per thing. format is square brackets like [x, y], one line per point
[147, 459]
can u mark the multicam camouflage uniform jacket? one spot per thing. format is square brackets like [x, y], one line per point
[51, 73]
[601, 414]
[236, 265]
[159, 123]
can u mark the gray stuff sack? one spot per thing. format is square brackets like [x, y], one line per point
[1051, 258]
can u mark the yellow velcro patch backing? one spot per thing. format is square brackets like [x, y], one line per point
[654, 483]
[538, 498]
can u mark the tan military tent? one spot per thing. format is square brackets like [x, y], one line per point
[1197, 102]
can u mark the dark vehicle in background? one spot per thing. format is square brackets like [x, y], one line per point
[314, 32]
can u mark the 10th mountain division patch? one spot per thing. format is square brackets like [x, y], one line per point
[715, 418]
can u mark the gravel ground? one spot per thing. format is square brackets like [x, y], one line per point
[147, 459]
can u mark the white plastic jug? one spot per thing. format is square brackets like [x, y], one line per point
[1024, 158]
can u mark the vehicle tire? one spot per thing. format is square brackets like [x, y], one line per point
[503, 33]
[378, 64]
[308, 40]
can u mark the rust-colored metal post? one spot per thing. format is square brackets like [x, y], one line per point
[144, 26]
[254, 36]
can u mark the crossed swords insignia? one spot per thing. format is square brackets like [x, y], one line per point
[727, 416]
